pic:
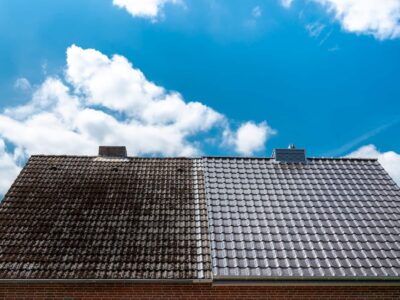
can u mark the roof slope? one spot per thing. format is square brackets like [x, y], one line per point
[327, 218]
[73, 217]
[91, 218]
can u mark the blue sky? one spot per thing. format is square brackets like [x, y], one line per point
[236, 78]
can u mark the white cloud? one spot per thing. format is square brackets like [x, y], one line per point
[115, 84]
[286, 3]
[22, 84]
[144, 8]
[155, 121]
[249, 137]
[8, 168]
[389, 160]
[256, 11]
[380, 18]
[106, 101]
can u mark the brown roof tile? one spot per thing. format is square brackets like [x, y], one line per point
[69, 217]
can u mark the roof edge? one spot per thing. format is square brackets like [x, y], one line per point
[339, 281]
[50, 280]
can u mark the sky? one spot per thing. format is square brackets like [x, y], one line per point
[193, 78]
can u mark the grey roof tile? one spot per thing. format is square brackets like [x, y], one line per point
[325, 218]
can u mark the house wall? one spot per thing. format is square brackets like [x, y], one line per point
[73, 291]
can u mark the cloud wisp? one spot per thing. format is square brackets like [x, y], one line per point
[107, 101]
[362, 138]
[22, 84]
[256, 12]
[315, 29]
[286, 3]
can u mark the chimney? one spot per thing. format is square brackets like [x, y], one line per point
[112, 151]
[290, 155]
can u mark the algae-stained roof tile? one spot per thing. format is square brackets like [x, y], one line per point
[72, 217]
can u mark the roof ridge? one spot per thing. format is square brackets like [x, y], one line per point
[128, 157]
[312, 158]
[342, 158]
[208, 156]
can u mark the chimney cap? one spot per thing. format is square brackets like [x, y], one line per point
[290, 155]
[112, 151]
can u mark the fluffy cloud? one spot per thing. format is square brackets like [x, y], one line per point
[389, 160]
[115, 84]
[144, 8]
[154, 120]
[249, 137]
[379, 18]
[107, 101]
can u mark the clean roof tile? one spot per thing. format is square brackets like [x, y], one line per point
[339, 217]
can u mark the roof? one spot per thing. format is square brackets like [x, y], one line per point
[328, 218]
[93, 218]
[76, 217]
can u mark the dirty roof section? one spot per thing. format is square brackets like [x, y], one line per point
[327, 218]
[69, 217]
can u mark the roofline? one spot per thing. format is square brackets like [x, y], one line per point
[225, 281]
[306, 281]
[93, 281]
[210, 156]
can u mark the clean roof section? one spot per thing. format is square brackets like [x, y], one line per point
[327, 218]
